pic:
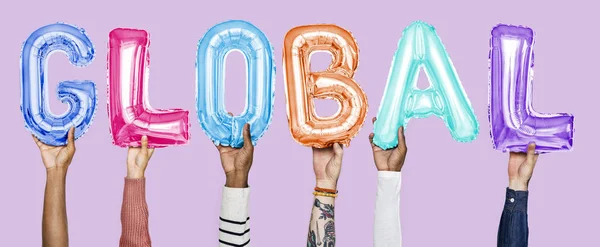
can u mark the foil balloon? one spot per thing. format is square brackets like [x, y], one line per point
[421, 47]
[80, 96]
[129, 110]
[513, 121]
[336, 82]
[213, 49]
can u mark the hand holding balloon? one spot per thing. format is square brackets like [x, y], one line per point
[138, 158]
[520, 168]
[327, 163]
[57, 158]
[390, 159]
[237, 161]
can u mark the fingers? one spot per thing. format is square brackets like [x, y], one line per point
[371, 136]
[247, 137]
[37, 141]
[71, 139]
[373, 120]
[401, 140]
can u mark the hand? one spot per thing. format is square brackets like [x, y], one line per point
[57, 157]
[137, 159]
[237, 161]
[391, 159]
[520, 168]
[327, 163]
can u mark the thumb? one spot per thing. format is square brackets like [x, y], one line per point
[144, 145]
[401, 140]
[371, 136]
[531, 155]
[38, 143]
[247, 137]
[338, 153]
[71, 139]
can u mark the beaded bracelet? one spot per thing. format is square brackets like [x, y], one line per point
[316, 193]
[326, 190]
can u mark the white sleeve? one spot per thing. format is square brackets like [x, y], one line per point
[234, 227]
[387, 232]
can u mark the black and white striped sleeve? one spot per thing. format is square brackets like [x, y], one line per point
[234, 226]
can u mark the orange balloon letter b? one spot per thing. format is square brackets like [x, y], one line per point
[302, 85]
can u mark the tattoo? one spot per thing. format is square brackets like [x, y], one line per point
[318, 236]
[311, 239]
[327, 210]
[327, 215]
[329, 238]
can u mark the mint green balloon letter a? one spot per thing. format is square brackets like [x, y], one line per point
[420, 46]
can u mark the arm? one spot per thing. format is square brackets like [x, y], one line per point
[134, 211]
[327, 164]
[234, 226]
[389, 163]
[514, 230]
[387, 231]
[54, 220]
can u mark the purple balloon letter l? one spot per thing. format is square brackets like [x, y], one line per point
[513, 121]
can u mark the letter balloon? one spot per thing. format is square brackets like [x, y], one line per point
[129, 110]
[336, 82]
[513, 121]
[213, 48]
[421, 47]
[80, 96]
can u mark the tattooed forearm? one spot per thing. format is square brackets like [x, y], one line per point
[311, 242]
[322, 226]
[318, 235]
[329, 238]
[326, 210]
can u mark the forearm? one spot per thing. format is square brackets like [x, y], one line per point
[134, 215]
[234, 226]
[387, 230]
[54, 220]
[322, 222]
[514, 230]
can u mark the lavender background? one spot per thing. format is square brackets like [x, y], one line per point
[452, 193]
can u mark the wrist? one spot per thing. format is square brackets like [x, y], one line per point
[56, 171]
[236, 180]
[134, 172]
[518, 185]
[327, 184]
[135, 175]
[389, 169]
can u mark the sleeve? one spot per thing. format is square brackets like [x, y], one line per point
[387, 232]
[134, 215]
[234, 227]
[514, 229]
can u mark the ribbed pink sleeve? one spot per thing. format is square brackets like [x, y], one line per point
[134, 215]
